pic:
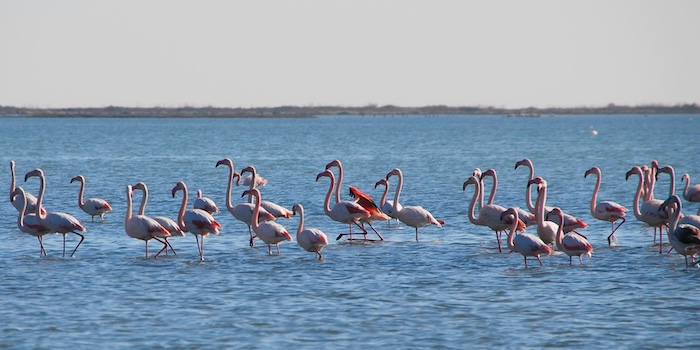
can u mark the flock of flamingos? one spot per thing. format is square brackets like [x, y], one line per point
[554, 227]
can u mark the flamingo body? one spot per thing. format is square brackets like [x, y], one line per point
[196, 221]
[205, 203]
[269, 232]
[524, 243]
[412, 215]
[29, 223]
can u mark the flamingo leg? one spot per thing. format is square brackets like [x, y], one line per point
[375, 231]
[42, 251]
[540, 260]
[416, 234]
[169, 245]
[320, 257]
[79, 243]
[64, 245]
[525, 260]
[498, 240]
[146, 249]
[661, 240]
[278, 248]
[201, 249]
[269, 249]
[165, 247]
[252, 243]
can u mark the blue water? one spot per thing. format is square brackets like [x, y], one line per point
[450, 290]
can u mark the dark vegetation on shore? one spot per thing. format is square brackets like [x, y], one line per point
[313, 111]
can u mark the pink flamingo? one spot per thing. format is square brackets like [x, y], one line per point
[524, 243]
[16, 202]
[56, 222]
[528, 218]
[490, 215]
[649, 212]
[690, 193]
[412, 215]
[168, 223]
[310, 239]
[142, 227]
[269, 232]
[197, 221]
[205, 203]
[244, 211]
[546, 230]
[345, 212]
[28, 222]
[275, 209]
[684, 238]
[605, 210]
[387, 206]
[573, 244]
[91, 206]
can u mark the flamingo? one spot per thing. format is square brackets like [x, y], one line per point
[259, 181]
[490, 215]
[546, 230]
[668, 170]
[605, 210]
[336, 163]
[269, 232]
[16, 202]
[524, 243]
[573, 244]
[387, 206]
[571, 223]
[412, 215]
[197, 221]
[168, 223]
[684, 238]
[345, 212]
[91, 206]
[375, 214]
[142, 227]
[649, 212]
[649, 180]
[310, 239]
[275, 209]
[690, 193]
[205, 203]
[528, 218]
[244, 211]
[56, 222]
[28, 222]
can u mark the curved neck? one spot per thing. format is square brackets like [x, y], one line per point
[673, 222]
[253, 175]
[144, 200]
[472, 217]
[494, 188]
[22, 212]
[539, 209]
[511, 236]
[528, 195]
[638, 194]
[594, 198]
[397, 193]
[127, 217]
[183, 206]
[254, 222]
[684, 178]
[81, 203]
[301, 220]
[327, 200]
[12, 181]
[672, 189]
[386, 192]
[229, 205]
[338, 184]
[40, 200]
[560, 234]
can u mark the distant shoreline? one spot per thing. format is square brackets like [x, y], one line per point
[315, 111]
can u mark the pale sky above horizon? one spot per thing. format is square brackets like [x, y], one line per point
[508, 53]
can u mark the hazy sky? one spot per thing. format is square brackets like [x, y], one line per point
[350, 53]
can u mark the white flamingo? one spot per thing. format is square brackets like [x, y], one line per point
[56, 222]
[605, 210]
[168, 223]
[524, 243]
[275, 209]
[649, 212]
[490, 215]
[412, 215]
[243, 211]
[28, 222]
[345, 212]
[142, 227]
[197, 221]
[387, 206]
[573, 244]
[310, 239]
[91, 206]
[205, 203]
[690, 193]
[269, 232]
[31, 200]
[684, 238]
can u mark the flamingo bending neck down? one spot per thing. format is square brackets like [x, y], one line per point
[91, 206]
[345, 212]
[310, 239]
[412, 215]
[168, 223]
[142, 227]
[649, 212]
[205, 203]
[490, 215]
[269, 232]
[684, 238]
[524, 243]
[16, 202]
[573, 244]
[605, 210]
[56, 222]
[243, 211]
[690, 193]
[28, 222]
[197, 221]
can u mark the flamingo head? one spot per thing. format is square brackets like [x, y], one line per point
[36, 172]
[249, 169]
[327, 173]
[334, 163]
[490, 172]
[226, 161]
[381, 182]
[395, 171]
[472, 180]
[556, 212]
[667, 169]
[179, 186]
[635, 170]
[140, 186]
[539, 181]
[252, 192]
[477, 172]
[297, 208]
[655, 165]
[78, 178]
[685, 177]
[674, 201]
[593, 170]
[525, 162]
[18, 191]
[129, 190]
